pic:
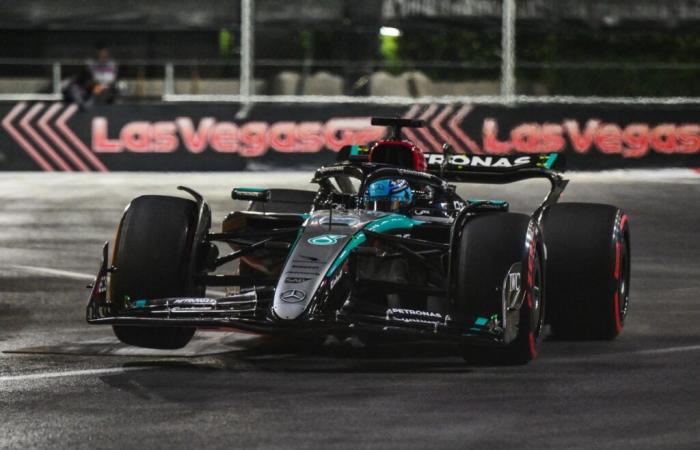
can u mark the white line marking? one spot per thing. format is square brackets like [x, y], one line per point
[56, 272]
[651, 351]
[685, 348]
[81, 276]
[70, 373]
[447, 99]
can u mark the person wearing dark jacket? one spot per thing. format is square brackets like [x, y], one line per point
[96, 82]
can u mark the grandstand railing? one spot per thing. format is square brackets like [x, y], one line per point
[169, 80]
[162, 79]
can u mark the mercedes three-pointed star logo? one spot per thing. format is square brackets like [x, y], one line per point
[293, 296]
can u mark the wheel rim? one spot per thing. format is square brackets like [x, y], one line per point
[537, 306]
[623, 283]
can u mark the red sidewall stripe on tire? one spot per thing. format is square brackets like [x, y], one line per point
[533, 345]
[618, 256]
[532, 340]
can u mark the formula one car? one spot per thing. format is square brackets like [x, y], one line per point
[384, 247]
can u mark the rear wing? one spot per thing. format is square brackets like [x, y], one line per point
[494, 169]
[501, 169]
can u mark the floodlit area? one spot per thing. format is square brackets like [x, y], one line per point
[349, 224]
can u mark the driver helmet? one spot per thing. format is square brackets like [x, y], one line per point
[389, 195]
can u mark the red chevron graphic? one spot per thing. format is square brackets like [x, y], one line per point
[454, 126]
[424, 131]
[26, 125]
[61, 125]
[44, 125]
[410, 135]
[26, 146]
[436, 124]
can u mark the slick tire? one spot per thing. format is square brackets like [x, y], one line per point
[588, 270]
[152, 255]
[286, 201]
[488, 248]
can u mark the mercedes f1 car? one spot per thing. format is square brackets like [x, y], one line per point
[384, 246]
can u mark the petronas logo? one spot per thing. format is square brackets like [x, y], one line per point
[326, 239]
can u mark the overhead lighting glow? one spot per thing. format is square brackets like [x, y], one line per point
[390, 31]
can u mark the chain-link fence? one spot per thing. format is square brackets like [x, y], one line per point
[401, 48]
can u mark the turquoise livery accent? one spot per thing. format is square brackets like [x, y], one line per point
[251, 189]
[356, 150]
[550, 161]
[141, 303]
[326, 239]
[356, 240]
[392, 222]
[481, 321]
[479, 200]
[386, 223]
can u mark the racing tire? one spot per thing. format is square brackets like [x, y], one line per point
[152, 255]
[588, 270]
[286, 201]
[488, 248]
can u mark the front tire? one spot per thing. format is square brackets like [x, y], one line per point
[489, 247]
[152, 254]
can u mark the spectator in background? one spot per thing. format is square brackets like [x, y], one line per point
[96, 82]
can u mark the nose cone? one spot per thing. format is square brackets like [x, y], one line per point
[323, 240]
[290, 304]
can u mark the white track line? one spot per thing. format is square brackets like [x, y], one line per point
[70, 373]
[603, 356]
[79, 276]
[655, 351]
[56, 272]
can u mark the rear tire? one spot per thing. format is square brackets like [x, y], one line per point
[588, 274]
[152, 254]
[489, 247]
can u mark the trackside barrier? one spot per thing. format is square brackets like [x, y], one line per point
[184, 136]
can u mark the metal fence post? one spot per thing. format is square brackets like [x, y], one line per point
[56, 78]
[508, 50]
[246, 75]
[169, 88]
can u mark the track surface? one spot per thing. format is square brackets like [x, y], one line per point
[231, 390]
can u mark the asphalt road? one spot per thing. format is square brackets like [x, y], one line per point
[66, 384]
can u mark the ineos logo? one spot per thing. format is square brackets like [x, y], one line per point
[293, 296]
